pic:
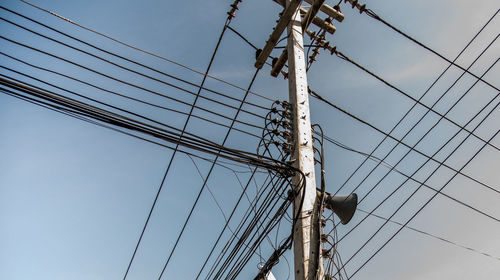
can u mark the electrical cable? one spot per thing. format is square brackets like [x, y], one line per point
[222, 231]
[373, 15]
[242, 260]
[121, 131]
[245, 259]
[264, 208]
[431, 235]
[251, 226]
[243, 38]
[393, 168]
[252, 206]
[90, 121]
[319, 97]
[226, 224]
[118, 94]
[366, 155]
[421, 97]
[136, 86]
[435, 153]
[94, 100]
[128, 83]
[206, 178]
[420, 209]
[226, 219]
[144, 51]
[173, 156]
[428, 177]
[344, 57]
[110, 53]
[196, 142]
[424, 164]
[278, 252]
[428, 131]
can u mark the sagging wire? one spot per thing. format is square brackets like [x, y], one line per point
[276, 143]
[276, 138]
[321, 196]
[145, 51]
[271, 145]
[326, 248]
[362, 9]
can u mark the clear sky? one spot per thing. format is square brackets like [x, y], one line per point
[74, 196]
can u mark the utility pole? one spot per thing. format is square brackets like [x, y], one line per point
[306, 232]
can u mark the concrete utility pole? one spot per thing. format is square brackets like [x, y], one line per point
[306, 235]
[306, 231]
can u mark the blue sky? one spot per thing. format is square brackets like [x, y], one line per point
[74, 196]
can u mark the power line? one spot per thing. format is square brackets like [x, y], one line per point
[420, 98]
[264, 234]
[125, 82]
[428, 177]
[266, 198]
[226, 225]
[319, 97]
[219, 258]
[144, 51]
[119, 94]
[373, 15]
[216, 201]
[191, 142]
[173, 156]
[394, 169]
[204, 184]
[344, 57]
[240, 259]
[243, 38]
[430, 234]
[435, 153]
[189, 154]
[366, 155]
[421, 208]
[111, 53]
[424, 164]
[427, 132]
[414, 105]
[121, 81]
[75, 115]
